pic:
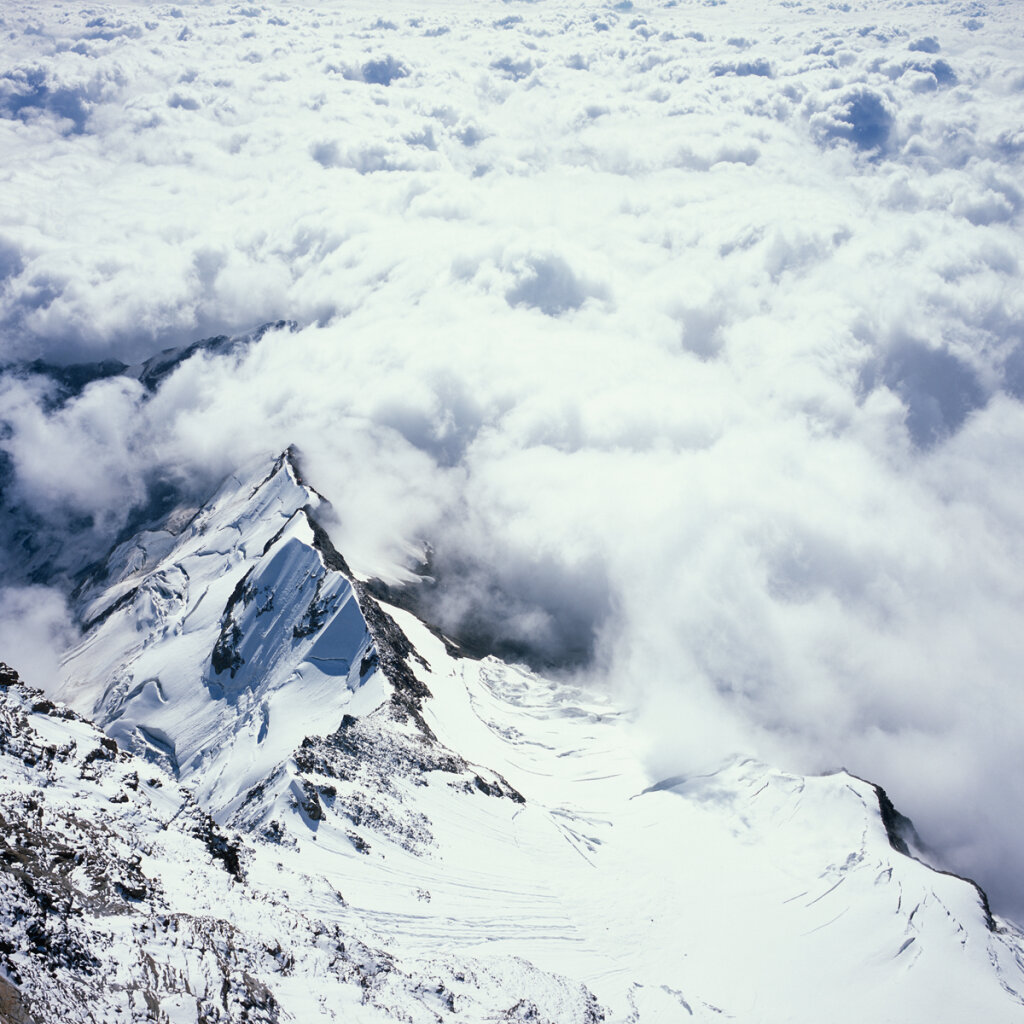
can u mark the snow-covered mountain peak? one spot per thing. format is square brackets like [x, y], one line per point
[406, 798]
[194, 636]
[227, 651]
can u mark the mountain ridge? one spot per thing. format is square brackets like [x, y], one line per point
[335, 762]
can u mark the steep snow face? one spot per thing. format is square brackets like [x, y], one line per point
[506, 818]
[208, 649]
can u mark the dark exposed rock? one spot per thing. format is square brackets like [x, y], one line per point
[225, 656]
[98, 754]
[358, 842]
[904, 839]
[220, 847]
[496, 789]
[310, 802]
[898, 827]
[12, 1007]
[316, 613]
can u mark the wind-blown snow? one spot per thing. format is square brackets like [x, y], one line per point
[688, 337]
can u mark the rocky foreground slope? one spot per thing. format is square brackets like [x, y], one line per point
[259, 794]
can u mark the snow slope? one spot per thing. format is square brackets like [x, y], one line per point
[489, 835]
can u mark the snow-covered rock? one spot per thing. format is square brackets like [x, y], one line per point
[122, 900]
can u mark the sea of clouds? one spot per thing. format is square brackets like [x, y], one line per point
[684, 341]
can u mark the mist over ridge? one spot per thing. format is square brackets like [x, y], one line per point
[680, 345]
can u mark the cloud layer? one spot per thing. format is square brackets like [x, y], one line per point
[685, 340]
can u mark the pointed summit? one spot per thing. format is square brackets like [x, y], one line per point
[232, 648]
